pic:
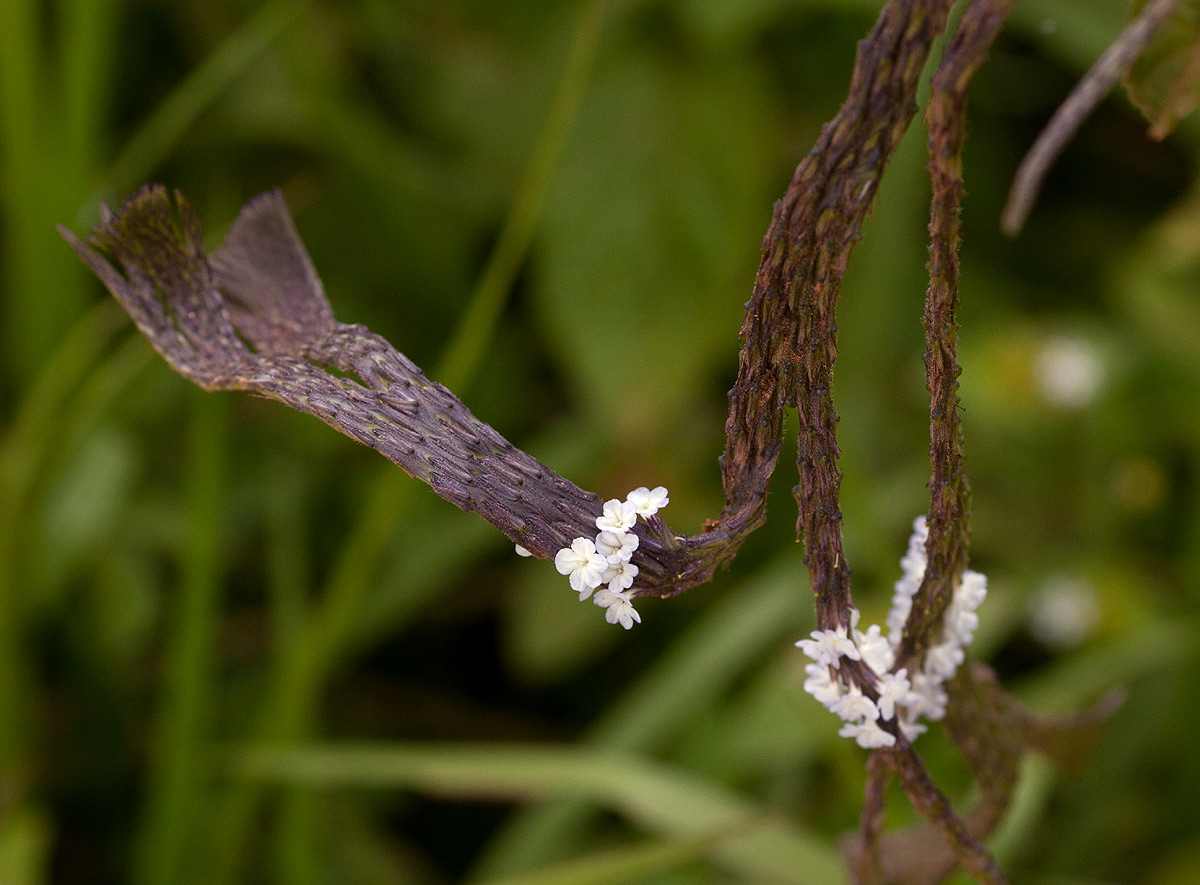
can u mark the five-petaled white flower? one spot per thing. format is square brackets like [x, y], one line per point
[826, 646]
[583, 565]
[821, 684]
[854, 706]
[620, 574]
[618, 516]
[648, 502]
[619, 607]
[894, 688]
[876, 651]
[616, 546]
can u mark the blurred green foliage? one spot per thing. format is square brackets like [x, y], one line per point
[237, 647]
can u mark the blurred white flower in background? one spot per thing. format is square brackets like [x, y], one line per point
[1068, 371]
[1064, 612]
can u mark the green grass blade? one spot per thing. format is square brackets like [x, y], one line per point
[473, 334]
[302, 673]
[163, 129]
[665, 801]
[632, 864]
[87, 38]
[697, 669]
[25, 454]
[43, 293]
[178, 781]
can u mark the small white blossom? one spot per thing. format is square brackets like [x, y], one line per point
[943, 660]
[913, 566]
[821, 684]
[619, 607]
[620, 575]
[648, 502]
[928, 698]
[897, 618]
[854, 706]
[616, 546]
[826, 646]
[876, 651]
[894, 689]
[868, 735]
[583, 565]
[618, 516]
[1064, 612]
[521, 551]
[959, 624]
[971, 590]
[911, 728]
[1069, 372]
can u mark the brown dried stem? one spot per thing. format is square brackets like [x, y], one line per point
[253, 317]
[935, 808]
[1079, 105]
[790, 330]
[948, 520]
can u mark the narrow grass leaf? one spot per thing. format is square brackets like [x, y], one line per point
[664, 801]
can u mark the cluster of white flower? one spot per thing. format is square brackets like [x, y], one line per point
[901, 698]
[605, 559]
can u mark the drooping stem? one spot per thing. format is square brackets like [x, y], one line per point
[948, 520]
[790, 330]
[1084, 99]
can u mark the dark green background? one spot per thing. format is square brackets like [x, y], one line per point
[185, 575]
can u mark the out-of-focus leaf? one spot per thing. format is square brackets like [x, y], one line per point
[1026, 811]
[651, 235]
[1075, 681]
[548, 632]
[684, 680]
[1164, 83]
[664, 801]
[25, 847]
[84, 506]
[630, 864]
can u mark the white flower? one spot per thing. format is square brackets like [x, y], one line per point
[616, 546]
[894, 689]
[1069, 371]
[620, 608]
[521, 551]
[913, 565]
[1064, 612]
[942, 661]
[619, 575]
[911, 728]
[826, 646]
[927, 699]
[583, 564]
[960, 624]
[648, 502]
[821, 684]
[854, 706]
[619, 516]
[971, 590]
[868, 735]
[897, 618]
[875, 649]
